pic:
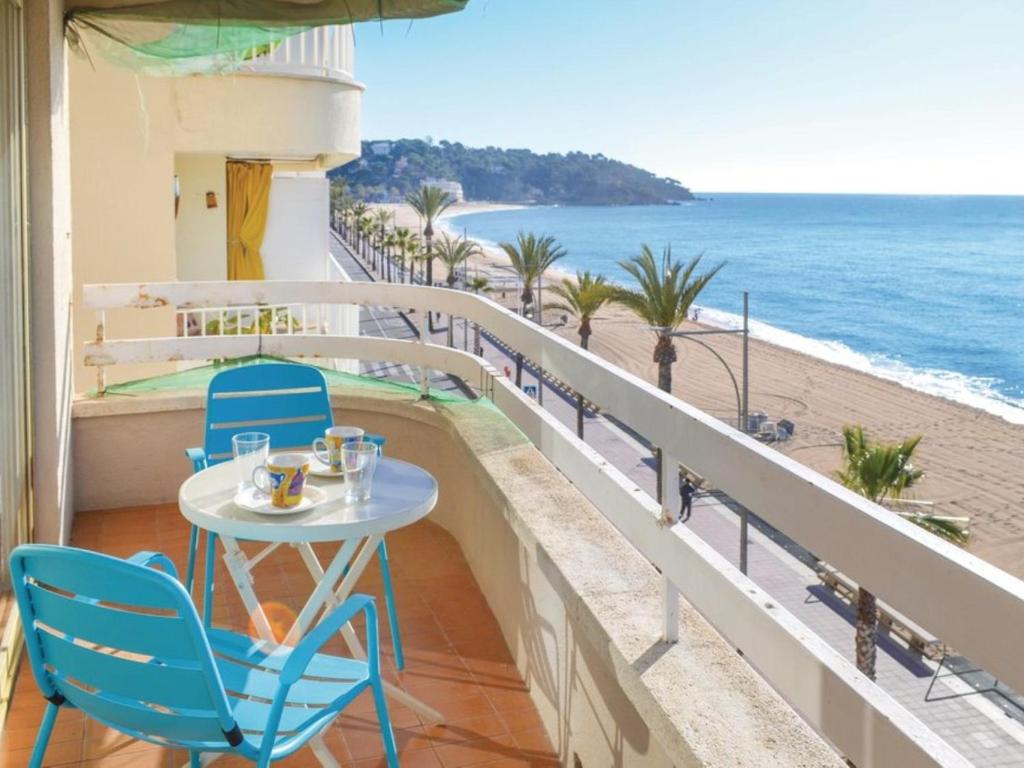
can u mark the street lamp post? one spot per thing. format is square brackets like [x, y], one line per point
[742, 398]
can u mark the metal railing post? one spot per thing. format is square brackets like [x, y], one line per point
[101, 334]
[424, 380]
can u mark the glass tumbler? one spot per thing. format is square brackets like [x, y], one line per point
[360, 461]
[250, 450]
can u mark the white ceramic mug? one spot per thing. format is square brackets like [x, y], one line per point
[328, 448]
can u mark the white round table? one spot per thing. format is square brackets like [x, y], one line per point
[402, 494]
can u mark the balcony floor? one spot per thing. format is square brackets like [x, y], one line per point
[456, 660]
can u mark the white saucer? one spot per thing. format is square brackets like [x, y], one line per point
[252, 499]
[318, 468]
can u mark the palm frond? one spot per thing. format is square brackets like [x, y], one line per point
[429, 203]
[666, 288]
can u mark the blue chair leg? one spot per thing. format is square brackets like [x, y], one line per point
[193, 547]
[211, 551]
[43, 738]
[389, 600]
[194, 760]
[385, 723]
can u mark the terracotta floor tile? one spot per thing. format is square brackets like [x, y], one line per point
[456, 658]
[424, 758]
[476, 752]
[468, 729]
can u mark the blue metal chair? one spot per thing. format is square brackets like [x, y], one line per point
[289, 402]
[123, 643]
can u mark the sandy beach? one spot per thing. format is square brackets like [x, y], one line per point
[973, 461]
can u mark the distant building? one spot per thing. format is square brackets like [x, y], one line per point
[381, 147]
[453, 188]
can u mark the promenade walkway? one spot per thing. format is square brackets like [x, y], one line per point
[981, 719]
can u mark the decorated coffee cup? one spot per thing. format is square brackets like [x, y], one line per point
[283, 478]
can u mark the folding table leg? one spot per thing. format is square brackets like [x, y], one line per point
[337, 597]
[235, 560]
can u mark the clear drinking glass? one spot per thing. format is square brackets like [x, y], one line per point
[251, 450]
[360, 462]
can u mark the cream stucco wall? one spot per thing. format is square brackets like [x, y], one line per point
[122, 177]
[268, 116]
[201, 232]
[50, 259]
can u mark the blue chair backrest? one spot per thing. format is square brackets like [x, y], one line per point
[123, 643]
[288, 401]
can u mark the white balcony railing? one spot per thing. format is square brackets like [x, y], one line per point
[325, 53]
[969, 604]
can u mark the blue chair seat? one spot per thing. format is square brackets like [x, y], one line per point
[123, 643]
[251, 678]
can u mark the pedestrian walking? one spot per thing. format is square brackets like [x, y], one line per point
[686, 491]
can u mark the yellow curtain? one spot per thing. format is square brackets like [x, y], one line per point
[248, 203]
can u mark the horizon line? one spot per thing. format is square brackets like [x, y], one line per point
[854, 194]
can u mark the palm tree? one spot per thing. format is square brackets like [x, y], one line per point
[429, 203]
[531, 256]
[479, 284]
[338, 197]
[582, 298]
[358, 211]
[880, 472]
[453, 253]
[667, 289]
[406, 245]
[390, 243]
[364, 226]
[381, 219]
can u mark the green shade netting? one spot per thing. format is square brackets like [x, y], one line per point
[177, 37]
[199, 379]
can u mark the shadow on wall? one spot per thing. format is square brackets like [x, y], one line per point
[597, 723]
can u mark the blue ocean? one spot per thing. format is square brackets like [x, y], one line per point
[926, 291]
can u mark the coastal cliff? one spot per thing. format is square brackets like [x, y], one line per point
[388, 170]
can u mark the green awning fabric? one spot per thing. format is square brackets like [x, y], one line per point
[175, 37]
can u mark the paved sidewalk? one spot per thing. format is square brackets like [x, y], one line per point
[983, 725]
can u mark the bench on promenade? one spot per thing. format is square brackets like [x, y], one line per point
[915, 638]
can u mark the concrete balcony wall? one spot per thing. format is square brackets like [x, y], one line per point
[314, 123]
[577, 605]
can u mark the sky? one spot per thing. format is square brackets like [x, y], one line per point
[911, 97]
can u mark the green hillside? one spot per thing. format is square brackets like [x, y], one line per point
[391, 169]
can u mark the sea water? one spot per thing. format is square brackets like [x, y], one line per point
[927, 291]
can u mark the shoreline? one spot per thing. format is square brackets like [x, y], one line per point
[971, 457]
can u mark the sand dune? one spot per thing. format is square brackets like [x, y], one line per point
[973, 461]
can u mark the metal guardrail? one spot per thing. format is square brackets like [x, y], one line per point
[968, 603]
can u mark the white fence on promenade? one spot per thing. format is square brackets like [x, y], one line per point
[966, 602]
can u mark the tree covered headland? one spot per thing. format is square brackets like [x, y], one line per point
[391, 169]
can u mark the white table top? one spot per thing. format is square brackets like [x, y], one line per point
[402, 494]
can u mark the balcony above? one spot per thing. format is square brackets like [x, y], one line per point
[324, 53]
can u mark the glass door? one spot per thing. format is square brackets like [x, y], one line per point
[15, 464]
